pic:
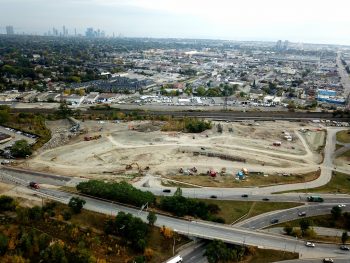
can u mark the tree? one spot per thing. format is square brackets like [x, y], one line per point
[166, 232]
[217, 251]
[288, 229]
[178, 192]
[35, 213]
[4, 116]
[344, 237]
[336, 212]
[76, 204]
[3, 244]
[54, 254]
[201, 91]
[304, 225]
[21, 148]
[63, 110]
[152, 218]
[7, 203]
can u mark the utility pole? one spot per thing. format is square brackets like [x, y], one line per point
[225, 100]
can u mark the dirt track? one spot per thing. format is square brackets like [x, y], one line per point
[166, 152]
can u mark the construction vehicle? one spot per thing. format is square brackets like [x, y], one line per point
[129, 166]
[212, 173]
[277, 143]
[90, 138]
[34, 185]
[193, 169]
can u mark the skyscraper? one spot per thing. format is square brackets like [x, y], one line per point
[279, 45]
[90, 32]
[9, 30]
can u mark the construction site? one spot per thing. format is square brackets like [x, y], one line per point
[229, 151]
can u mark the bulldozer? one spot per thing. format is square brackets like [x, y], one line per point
[130, 166]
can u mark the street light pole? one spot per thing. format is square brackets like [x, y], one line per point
[174, 242]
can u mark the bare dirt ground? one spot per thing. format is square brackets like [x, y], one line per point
[23, 195]
[165, 152]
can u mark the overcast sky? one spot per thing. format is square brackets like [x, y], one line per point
[317, 21]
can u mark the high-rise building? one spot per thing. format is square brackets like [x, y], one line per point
[90, 32]
[279, 45]
[64, 31]
[285, 45]
[54, 32]
[9, 30]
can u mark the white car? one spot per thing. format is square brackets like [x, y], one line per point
[309, 244]
[341, 205]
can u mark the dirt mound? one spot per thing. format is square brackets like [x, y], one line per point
[148, 127]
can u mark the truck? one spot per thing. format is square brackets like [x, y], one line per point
[315, 198]
[177, 259]
[34, 185]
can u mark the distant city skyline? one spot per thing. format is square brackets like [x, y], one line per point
[270, 20]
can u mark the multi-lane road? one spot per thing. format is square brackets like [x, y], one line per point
[244, 233]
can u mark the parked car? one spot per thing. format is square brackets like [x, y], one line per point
[328, 260]
[309, 244]
[343, 247]
[274, 221]
[244, 195]
[341, 205]
[303, 213]
[213, 196]
[166, 191]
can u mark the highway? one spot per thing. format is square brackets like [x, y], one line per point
[205, 230]
[244, 233]
[344, 76]
[264, 220]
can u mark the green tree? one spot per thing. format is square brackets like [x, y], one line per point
[54, 254]
[336, 212]
[63, 110]
[201, 91]
[217, 251]
[3, 244]
[76, 204]
[21, 148]
[152, 218]
[344, 237]
[304, 225]
[178, 192]
[35, 213]
[7, 203]
[4, 116]
[288, 229]
[67, 215]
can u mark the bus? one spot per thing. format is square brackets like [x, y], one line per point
[177, 259]
[315, 198]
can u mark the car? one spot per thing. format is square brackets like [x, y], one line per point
[309, 244]
[266, 199]
[341, 205]
[213, 196]
[303, 213]
[274, 221]
[244, 195]
[328, 260]
[343, 247]
[166, 191]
